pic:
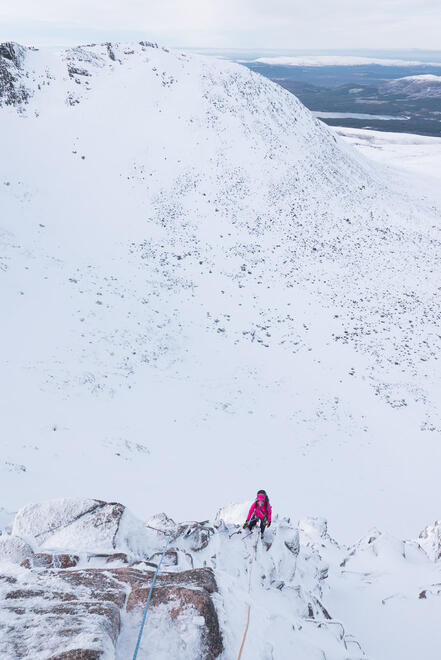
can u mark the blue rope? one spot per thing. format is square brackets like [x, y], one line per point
[149, 598]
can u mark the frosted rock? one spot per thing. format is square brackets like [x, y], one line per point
[39, 521]
[14, 549]
[430, 540]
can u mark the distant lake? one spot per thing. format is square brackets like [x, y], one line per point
[354, 115]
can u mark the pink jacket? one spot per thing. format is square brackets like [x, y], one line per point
[258, 509]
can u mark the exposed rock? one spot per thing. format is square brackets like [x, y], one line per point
[199, 534]
[12, 52]
[118, 556]
[45, 560]
[12, 90]
[14, 549]
[170, 558]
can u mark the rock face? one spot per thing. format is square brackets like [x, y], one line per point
[12, 90]
[44, 560]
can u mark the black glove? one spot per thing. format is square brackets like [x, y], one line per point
[245, 525]
[268, 523]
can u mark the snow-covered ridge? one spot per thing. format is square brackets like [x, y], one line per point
[338, 60]
[199, 278]
[423, 86]
[424, 77]
[308, 594]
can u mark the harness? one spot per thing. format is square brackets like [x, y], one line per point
[263, 511]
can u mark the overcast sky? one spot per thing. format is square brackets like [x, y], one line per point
[284, 24]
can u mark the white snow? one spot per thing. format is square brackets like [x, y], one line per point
[417, 154]
[423, 77]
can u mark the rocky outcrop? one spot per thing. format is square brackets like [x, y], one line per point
[197, 533]
[44, 560]
[12, 89]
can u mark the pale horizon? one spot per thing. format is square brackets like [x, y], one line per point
[281, 25]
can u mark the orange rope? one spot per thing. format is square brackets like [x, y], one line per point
[245, 633]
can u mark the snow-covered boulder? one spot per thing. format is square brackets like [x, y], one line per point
[14, 549]
[84, 525]
[234, 514]
[42, 520]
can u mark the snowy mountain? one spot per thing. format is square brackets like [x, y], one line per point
[420, 87]
[75, 576]
[339, 60]
[204, 290]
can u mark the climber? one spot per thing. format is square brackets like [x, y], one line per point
[260, 511]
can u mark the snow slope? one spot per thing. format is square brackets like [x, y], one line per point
[415, 154]
[204, 290]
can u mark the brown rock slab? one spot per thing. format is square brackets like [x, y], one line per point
[46, 560]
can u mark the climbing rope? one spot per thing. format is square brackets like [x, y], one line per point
[149, 598]
[249, 604]
[245, 633]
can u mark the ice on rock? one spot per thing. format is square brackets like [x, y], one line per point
[14, 549]
[6, 520]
